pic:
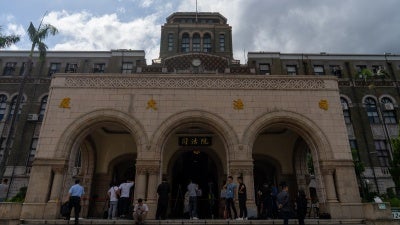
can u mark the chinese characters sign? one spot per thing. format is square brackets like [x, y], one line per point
[195, 141]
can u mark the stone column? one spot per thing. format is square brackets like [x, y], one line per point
[154, 173]
[140, 182]
[55, 194]
[330, 185]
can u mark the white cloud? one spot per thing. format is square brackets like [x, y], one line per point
[84, 31]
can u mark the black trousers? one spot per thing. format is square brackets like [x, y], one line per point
[242, 207]
[230, 204]
[124, 206]
[74, 202]
[162, 206]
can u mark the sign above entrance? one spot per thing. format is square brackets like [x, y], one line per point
[195, 141]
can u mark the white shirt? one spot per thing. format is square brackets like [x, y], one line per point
[139, 209]
[125, 188]
[3, 190]
[113, 194]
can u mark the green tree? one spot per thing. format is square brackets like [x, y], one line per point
[6, 41]
[37, 37]
[395, 163]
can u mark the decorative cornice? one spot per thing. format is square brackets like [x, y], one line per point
[191, 82]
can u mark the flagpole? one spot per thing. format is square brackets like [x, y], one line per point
[196, 11]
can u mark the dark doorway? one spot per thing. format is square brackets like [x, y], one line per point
[200, 167]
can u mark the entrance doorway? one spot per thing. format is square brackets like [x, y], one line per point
[199, 167]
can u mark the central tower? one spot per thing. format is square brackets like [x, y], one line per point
[191, 32]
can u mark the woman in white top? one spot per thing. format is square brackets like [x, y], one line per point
[113, 194]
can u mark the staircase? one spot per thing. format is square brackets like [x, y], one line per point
[192, 222]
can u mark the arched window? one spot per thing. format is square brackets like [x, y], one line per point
[222, 42]
[3, 106]
[207, 43]
[13, 104]
[170, 42]
[346, 111]
[389, 112]
[43, 104]
[196, 43]
[372, 110]
[185, 43]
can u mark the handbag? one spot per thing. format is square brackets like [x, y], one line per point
[65, 210]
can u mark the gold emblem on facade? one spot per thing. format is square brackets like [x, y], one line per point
[238, 104]
[65, 103]
[323, 104]
[152, 104]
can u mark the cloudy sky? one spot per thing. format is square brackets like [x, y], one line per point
[309, 26]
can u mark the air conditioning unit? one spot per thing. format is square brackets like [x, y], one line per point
[388, 106]
[33, 117]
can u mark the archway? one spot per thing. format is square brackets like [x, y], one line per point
[198, 165]
[287, 151]
[194, 151]
[104, 152]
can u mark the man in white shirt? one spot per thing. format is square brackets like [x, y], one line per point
[125, 190]
[140, 212]
[3, 190]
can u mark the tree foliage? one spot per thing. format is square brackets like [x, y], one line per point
[37, 37]
[7, 40]
[395, 162]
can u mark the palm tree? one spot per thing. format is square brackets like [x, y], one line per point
[37, 37]
[6, 41]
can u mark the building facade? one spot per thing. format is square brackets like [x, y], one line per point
[196, 113]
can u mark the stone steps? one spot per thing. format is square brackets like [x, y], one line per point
[192, 222]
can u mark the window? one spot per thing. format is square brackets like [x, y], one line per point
[382, 152]
[264, 69]
[319, 70]
[353, 144]
[2, 147]
[376, 69]
[196, 43]
[9, 68]
[291, 69]
[222, 42]
[346, 111]
[21, 72]
[336, 70]
[3, 106]
[207, 43]
[54, 68]
[388, 112]
[32, 151]
[185, 43]
[359, 68]
[372, 110]
[127, 67]
[43, 104]
[71, 68]
[170, 42]
[99, 67]
[13, 105]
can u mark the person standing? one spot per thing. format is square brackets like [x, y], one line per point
[242, 196]
[140, 212]
[230, 196]
[75, 194]
[125, 191]
[283, 203]
[113, 193]
[192, 189]
[3, 190]
[162, 204]
[222, 204]
[301, 204]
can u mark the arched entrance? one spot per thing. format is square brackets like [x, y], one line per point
[281, 155]
[194, 151]
[105, 152]
[199, 166]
